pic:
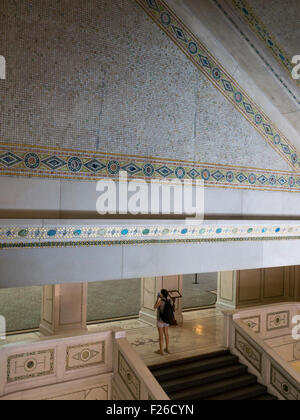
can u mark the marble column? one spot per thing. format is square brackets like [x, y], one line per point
[151, 286]
[227, 289]
[64, 309]
[245, 288]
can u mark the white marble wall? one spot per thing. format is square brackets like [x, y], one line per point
[76, 367]
[270, 321]
[51, 197]
[93, 366]
[90, 264]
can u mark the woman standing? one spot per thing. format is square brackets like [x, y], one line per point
[163, 327]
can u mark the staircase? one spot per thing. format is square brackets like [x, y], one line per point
[215, 376]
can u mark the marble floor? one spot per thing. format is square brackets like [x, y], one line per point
[296, 365]
[201, 333]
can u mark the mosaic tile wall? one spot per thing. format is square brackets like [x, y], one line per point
[268, 19]
[252, 20]
[94, 81]
[282, 20]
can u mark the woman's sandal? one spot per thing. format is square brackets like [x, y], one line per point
[167, 351]
[158, 352]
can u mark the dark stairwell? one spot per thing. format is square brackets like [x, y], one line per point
[216, 376]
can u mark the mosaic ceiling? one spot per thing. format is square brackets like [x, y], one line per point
[108, 88]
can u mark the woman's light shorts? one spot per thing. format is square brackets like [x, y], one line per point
[161, 324]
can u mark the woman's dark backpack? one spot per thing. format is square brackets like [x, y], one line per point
[167, 315]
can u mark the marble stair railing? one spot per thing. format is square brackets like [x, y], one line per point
[247, 334]
[92, 366]
[61, 367]
[132, 379]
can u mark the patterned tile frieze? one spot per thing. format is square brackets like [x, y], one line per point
[288, 390]
[248, 351]
[73, 236]
[258, 27]
[254, 323]
[26, 366]
[83, 356]
[70, 164]
[131, 381]
[257, 51]
[278, 321]
[55, 236]
[208, 65]
[77, 244]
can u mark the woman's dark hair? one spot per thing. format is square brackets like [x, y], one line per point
[165, 293]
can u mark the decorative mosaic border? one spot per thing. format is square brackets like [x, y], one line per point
[73, 244]
[248, 351]
[261, 56]
[283, 385]
[129, 378]
[253, 322]
[86, 354]
[74, 236]
[32, 161]
[278, 321]
[208, 65]
[30, 357]
[259, 28]
[132, 232]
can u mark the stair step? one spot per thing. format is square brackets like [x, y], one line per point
[189, 360]
[216, 388]
[214, 376]
[178, 371]
[242, 394]
[202, 378]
